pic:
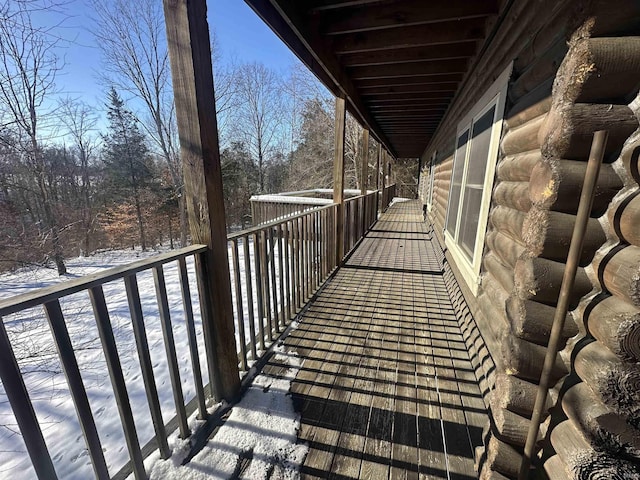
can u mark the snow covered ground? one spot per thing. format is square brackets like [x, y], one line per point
[34, 348]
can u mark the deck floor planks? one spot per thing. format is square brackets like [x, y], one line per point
[386, 388]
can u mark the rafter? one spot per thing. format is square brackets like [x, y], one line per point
[428, 53]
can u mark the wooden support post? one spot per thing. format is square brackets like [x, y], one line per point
[364, 174]
[338, 176]
[190, 55]
[378, 166]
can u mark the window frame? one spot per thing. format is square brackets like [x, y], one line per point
[494, 96]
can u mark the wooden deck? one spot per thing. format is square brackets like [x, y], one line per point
[386, 388]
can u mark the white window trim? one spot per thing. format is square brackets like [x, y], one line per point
[496, 94]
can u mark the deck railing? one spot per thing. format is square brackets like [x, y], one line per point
[275, 269]
[387, 195]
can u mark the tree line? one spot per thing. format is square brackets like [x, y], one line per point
[74, 180]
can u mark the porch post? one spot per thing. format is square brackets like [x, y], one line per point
[365, 162]
[338, 176]
[190, 55]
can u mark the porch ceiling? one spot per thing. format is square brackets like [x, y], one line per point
[399, 63]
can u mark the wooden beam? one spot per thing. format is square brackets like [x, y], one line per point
[416, 69]
[450, 87]
[427, 53]
[338, 175]
[363, 85]
[404, 14]
[190, 55]
[379, 154]
[364, 170]
[320, 5]
[418, 36]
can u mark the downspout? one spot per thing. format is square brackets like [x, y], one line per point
[575, 249]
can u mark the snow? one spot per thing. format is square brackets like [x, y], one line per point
[38, 359]
[257, 441]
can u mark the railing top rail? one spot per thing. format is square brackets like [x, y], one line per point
[53, 292]
[273, 223]
[291, 200]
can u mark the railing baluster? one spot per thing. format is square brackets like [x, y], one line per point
[191, 335]
[264, 252]
[170, 348]
[283, 318]
[76, 387]
[240, 313]
[249, 287]
[96, 294]
[23, 410]
[142, 346]
[257, 258]
[274, 289]
[295, 263]
[287, 267]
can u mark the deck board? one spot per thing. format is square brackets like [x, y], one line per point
[386, 389]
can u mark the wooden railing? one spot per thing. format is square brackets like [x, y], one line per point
[275, 270]
[360, 213]
[387, 195]
[267, 208]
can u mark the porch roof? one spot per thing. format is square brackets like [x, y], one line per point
[398, 63]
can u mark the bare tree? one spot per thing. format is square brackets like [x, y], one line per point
[259, 113]
[80, 121]
[28, 68]
[132, 38]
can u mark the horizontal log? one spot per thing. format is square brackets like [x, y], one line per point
[603, 428]
[493, 328]
[540, 279]
[516, 395]
[557, 185]
[621, 274]
[543, 67]
[508, 221]
[630, 157]
[615, 382]
[524, 359]
[498, 272]
[616, 324]
[504, 247]
[502, 458]
[487, 474]
[568, 129]
[582, 461]
[513, 195]
[612, 69]
[518, 167]
[548, 234]
[626, 221]
[497, 295]
[532, 321]
[511, 427]
[609, 18]
[530, 106]
[555, 468]
[524, 138]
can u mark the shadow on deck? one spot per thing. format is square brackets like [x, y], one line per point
[386, 388]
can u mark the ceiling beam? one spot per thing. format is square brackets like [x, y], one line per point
[320, 5]
[416, 69]
[428, 53]
[409, 89]
[404, 13]
[419, 36]
[363, 85]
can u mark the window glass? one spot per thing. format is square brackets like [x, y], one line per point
[472, 198]
[456, 182]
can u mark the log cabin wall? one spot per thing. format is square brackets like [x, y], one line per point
[586, 54]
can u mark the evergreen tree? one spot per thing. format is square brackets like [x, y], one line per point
[126, 158]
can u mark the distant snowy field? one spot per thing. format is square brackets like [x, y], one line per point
[37, 356]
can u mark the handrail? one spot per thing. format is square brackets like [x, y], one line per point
[45, 294]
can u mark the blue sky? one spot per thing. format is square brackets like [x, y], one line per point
[240, 33]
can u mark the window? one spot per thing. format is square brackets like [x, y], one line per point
[476, 153]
